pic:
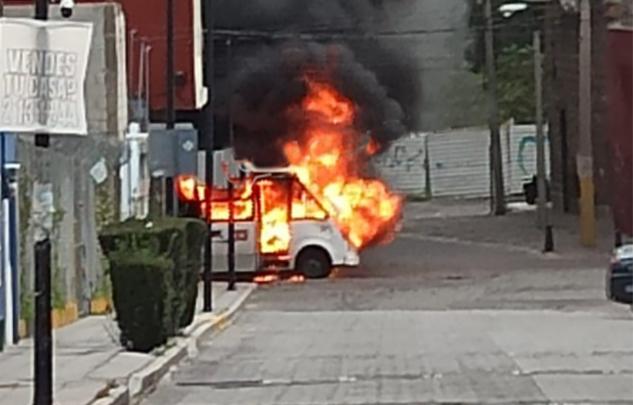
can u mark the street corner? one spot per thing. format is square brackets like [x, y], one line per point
[226, 306]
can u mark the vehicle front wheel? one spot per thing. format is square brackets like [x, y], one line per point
[313, 263]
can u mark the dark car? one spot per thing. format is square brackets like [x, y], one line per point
[620, 275]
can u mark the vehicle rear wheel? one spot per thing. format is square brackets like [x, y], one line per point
[313, 263]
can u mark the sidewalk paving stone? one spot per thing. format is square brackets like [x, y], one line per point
[88, 358]
[469, 221]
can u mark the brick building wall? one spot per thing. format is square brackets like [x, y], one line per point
[561, 78]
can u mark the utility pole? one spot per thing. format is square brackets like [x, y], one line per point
[584, 159]
[209, 146]
[543, 217]
[493, 117]
[43, 339]
[540, 135]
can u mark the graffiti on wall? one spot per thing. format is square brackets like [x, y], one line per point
[401, 156]
[524, 156]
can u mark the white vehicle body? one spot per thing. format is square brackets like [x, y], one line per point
[321, 237]
[325, 235]
[306, 234]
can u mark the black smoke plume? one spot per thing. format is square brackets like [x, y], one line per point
[264, 76]
[274, 81]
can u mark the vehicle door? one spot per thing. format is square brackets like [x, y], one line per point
[246, 252]
[311, 225]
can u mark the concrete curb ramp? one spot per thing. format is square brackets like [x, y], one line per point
[178, 349]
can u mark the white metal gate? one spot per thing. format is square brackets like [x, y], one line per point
[458, 161]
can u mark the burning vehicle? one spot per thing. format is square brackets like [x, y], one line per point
[278, 224]
[316, 212]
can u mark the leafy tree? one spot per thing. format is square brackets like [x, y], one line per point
[514, 57]
[507, 30]
[515, 83]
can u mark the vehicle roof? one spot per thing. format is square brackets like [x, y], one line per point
[251, 168]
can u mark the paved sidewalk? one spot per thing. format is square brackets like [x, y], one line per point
[88, 359]
[469, 221]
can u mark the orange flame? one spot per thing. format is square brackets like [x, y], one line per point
[273, 204]
[265, 278]
[372, 147]
[191, 190]
[297, 279]
[186, 186]
[326, 161]
[275, 218]
[326, 101]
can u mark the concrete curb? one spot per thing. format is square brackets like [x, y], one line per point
[142, 381]
[116, 396]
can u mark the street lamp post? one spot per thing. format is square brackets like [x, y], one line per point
[540, 135]
[499, 207]
[543, 218]
[42, 339]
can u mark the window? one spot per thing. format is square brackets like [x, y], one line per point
[304, 205]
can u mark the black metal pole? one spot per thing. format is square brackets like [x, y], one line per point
[209, 146]
[231, 247]
[170, 117]
[229, 65]
[43, 340]
[549, 239]
[43, 370]
[170, 113]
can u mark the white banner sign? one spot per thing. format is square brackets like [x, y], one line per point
[42, 71]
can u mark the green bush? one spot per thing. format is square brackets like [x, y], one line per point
[189, 261]
[139, 283]
[178, 241]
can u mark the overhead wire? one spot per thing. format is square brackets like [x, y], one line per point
[326, 31]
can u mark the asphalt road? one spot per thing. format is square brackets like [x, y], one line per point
[425, 320]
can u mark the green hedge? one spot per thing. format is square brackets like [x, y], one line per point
[174, 242]
[190, 259]
[139, 285]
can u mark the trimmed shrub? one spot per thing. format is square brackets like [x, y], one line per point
[177, 241]
[188, 259]
[139, 283]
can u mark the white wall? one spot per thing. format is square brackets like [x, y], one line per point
[459, 161]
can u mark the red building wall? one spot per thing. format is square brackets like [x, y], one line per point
[147, 20]
[620, 125]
